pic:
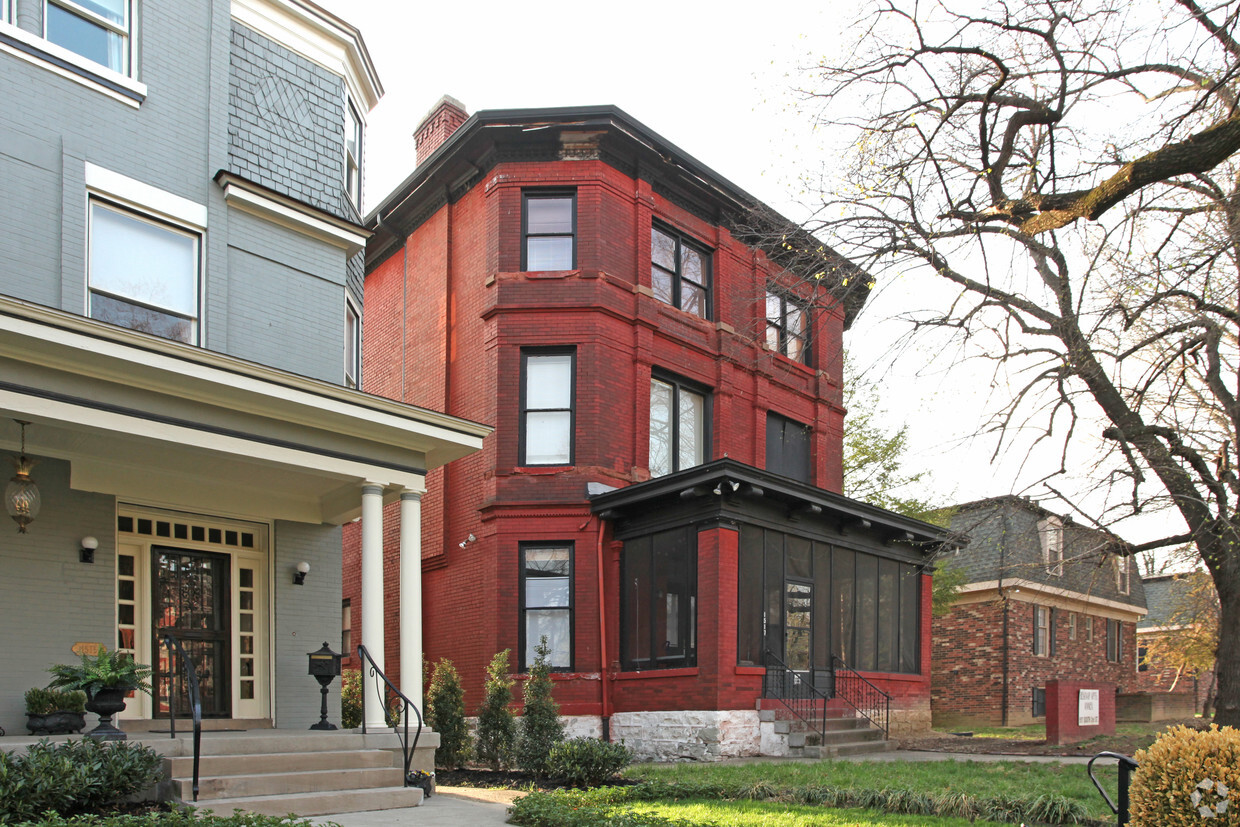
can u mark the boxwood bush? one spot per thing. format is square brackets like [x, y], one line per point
[1188, 775]
[77, 776]
[587, 762]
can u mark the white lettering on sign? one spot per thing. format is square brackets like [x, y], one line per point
[1087, 708]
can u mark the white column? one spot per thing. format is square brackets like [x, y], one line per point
[372, 598]
[411, 596]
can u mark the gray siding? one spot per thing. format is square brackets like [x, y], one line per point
[286, 123]
[62, 601]
[306, 616]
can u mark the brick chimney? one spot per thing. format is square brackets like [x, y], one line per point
[438, 125]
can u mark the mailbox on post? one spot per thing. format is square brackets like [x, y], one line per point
[324, 667]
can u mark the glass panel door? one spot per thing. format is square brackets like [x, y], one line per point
[191, 599]
[798, 609]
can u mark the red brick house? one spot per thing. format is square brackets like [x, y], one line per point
[1045, 599]
[661, 496]
[1174, 690]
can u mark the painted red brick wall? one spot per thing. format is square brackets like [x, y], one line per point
[446, 318]
[967, 669]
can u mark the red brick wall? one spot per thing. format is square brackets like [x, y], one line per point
[967, 668]
[446, 318]
[1063, 713]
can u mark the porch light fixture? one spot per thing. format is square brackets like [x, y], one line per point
[299, 577]
[21, 495]
[86, 554]
[471, 538]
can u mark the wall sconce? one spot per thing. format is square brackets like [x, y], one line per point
[471, 538]
[299, 577]
[86, 554]
[21, 495]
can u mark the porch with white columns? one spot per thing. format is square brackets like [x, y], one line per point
[373, 609]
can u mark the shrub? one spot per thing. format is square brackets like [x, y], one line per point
[1185, 772]
[445, 712]
[351, 701]
[587, 762]
[177, 818]
[497, 726]
[73, 777]
[47, 701]
[540, 723]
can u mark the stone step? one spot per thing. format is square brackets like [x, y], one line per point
[183, 766]
[857, 748]
[287, 783]
[319, 803]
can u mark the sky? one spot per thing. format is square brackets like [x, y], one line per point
[722, 87]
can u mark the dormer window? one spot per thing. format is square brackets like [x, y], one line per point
[1122, 574]
[353, 154]
[98, 30]
[1050, 532]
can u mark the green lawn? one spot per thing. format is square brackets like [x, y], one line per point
[976, 778]
[773, 814]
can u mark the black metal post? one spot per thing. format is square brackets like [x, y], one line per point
[1126, 768]
[324, 681]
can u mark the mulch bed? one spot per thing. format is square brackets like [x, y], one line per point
[506, 780]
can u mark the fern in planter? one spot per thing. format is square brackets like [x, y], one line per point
[107, 670]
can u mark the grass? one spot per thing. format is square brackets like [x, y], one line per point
[981, 779]
[773, 814]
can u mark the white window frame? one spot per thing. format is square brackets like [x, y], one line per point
[123, 29]
[1123, 574]
[1071, 625]
[1041, 631]
[1050, 534]
[353, 161]
[569, 457]
[38, 51]
[352, 339]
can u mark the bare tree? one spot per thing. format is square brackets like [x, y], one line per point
[1069, 168]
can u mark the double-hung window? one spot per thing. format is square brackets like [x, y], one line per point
[547, 603]
[353, 154]
[352, 346]
[547, 389]
[679, 432]
[1115, 641]
[786, 328]
[679, 272]
[143, 273]
[98, 30]
[1041, 630]
[1122, 574]
[548, 231]
[1050, 532]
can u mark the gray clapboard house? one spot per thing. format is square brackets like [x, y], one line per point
[180, 327]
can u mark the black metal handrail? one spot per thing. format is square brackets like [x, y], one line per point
[385, 690]
[1126, 767]
[195, 701]
[796, 692]
[868, 700]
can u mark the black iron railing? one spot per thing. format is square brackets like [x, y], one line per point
[386, 692]
[1126, 768]
[796, 691]
[195, 699]
[868, 700]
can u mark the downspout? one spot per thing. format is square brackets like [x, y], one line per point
[1004, 601]
[604, 678]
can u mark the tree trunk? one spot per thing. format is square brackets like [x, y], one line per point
[1227, 662]
[1207, 706]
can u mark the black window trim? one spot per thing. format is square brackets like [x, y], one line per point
[706, 392]
[536, 193]
[807, 340]
[708, 276]
[809, 431]
[526, 352]
[522, 546]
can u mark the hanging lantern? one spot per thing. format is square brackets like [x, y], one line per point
[21, 495]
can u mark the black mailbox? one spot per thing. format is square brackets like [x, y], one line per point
[324, 667]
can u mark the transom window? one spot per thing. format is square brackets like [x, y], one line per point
[786, 328]
[98, 30]
[679, 272]
[547, 603]
[353, 154]
[678, 426]
[548, 230]
[143, 273]
[547, 407]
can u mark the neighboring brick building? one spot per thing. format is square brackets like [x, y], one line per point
[1167, 597]
[570, 277]
[1045, 598]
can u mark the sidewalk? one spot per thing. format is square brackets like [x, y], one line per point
[448, 807]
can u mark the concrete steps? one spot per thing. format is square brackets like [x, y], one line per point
[785, 735]
[275, 773]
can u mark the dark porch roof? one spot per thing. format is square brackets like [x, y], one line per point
[731, 490]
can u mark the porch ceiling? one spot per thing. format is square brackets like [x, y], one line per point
[155, 421]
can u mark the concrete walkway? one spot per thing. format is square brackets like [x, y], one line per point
[448, 807]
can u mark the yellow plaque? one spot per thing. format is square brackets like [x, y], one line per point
[85, 648]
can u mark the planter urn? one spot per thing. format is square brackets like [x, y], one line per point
[105, 703]
[56, 723]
